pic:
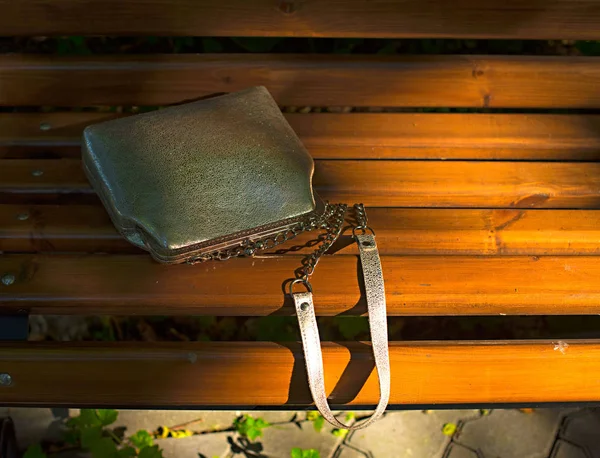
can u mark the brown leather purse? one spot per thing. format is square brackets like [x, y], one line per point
[227, 177]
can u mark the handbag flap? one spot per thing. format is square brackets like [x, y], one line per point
[186, 176]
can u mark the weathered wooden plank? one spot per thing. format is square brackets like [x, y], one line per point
[415, 285]
[361, 135]
[552, 19]
[167, 375]
[375, 183]
[400, 231]
[314, 80]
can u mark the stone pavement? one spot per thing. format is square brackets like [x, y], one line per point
[540, 433]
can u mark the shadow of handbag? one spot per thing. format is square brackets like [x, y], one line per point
[226, 177]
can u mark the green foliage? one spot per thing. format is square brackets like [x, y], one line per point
[588, 48]
[103, 447]
[317, 420]
[299, 453]
[339, 432]
[89, 430]
[250, 427]
[142, 439]
[150, 452]
[350, 416]
[277, 328]
[107, 416]
[72, 45]
[127, 452]
[34, 451]
[351, 326]
[449, 429]
[91, 435]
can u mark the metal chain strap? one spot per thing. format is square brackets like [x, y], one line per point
[332, 220]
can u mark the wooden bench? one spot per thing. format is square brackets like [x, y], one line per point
[476, 213]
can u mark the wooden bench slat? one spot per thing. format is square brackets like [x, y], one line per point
[552, 19]
[170, 374]
[362, 135]
[314, 80]
[55, 228]
[375, 183]
[415, 285]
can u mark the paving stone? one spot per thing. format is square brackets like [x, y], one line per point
[564, 449]
[512, 434]
[458, 451]
[409, 434]
[34, 425]
[278, 441]
[202, 446]
[348, 452]
[150, 420]
[583, 428]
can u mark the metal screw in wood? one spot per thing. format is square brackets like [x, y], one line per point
[8, 279]
[5, 379]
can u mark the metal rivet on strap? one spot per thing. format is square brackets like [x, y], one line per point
[37, 173]
[5, 379]
[45, 126]
[23, 216]
[304, 306]
[8, 279]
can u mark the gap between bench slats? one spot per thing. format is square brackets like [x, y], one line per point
[314, 80]
[375, 183]
[400, 231]
[361, 135]
[209, 374]
[415, 285]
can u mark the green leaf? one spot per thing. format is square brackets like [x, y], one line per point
[299, 453]
[104, 448]
[91, 435]
[34, 451]
[107, 416]
[449, 429]
[150, 452]
[88, 417]
[250, 427]
[126, 452]
[254, 433]
[71, 437]
[142, 439]
[311, 453]
[340, 432]
[261, 423]
[318, 423]
[350, 416]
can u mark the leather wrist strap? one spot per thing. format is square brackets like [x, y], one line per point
[375, 295]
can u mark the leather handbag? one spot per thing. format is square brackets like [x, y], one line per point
[226, 177]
